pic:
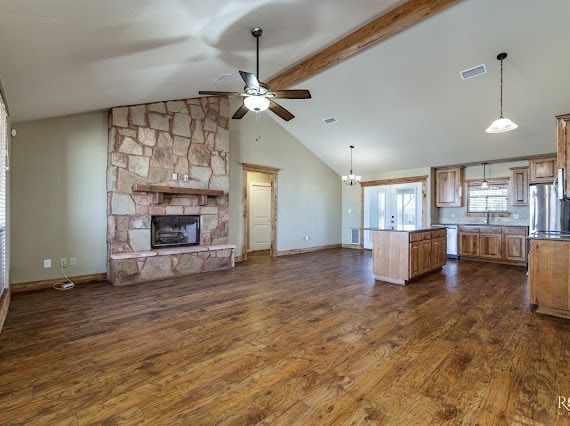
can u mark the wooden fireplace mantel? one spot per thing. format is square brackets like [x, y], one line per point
[159, 191]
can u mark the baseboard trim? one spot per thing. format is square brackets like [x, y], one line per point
[39, 285]
[4, 303]
[238, 259]
[307, 250]
[352, 246]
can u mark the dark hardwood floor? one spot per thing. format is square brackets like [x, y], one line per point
[306, 339]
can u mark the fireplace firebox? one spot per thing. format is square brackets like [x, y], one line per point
[174, 230]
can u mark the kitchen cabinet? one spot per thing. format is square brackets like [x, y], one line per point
[549, 276]
[438, 252]
[490, 242]
[563, 148]
[505, 244]
[448, 187]
[468, 241]
[420, 257]
[542, 169]
[519, 186]
[399, 256]
[514, 244]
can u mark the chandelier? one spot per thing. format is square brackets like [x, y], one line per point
[351, 179]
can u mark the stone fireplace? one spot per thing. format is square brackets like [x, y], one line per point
[168, 159]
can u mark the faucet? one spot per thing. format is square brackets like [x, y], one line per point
[487, 217]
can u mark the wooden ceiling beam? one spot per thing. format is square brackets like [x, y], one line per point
[392, 22]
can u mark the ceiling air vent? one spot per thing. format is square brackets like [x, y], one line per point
[329, 120]
[221, 78]
[473, 72]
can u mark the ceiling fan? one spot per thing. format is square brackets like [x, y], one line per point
[257, 95]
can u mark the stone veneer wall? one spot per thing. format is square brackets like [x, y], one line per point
[147, 144]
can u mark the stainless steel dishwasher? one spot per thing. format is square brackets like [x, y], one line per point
[452, 241]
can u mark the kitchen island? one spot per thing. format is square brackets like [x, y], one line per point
[401, 255]
[549, 273]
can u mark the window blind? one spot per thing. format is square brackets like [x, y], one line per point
[494, 198]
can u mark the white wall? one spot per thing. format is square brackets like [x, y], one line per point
[58, 196]
[308, 191]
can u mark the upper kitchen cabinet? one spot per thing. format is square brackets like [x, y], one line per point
[563, 148]
[519, 186]
[448, 187]
[542, 169]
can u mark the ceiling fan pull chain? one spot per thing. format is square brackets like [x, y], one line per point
[258, 127]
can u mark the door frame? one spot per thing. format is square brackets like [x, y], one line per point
[272, 172]
[411, 179]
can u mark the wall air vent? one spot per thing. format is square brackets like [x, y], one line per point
[329, 120]
[473, 72]
[221, 78]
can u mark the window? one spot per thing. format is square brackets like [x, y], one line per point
[495, 198]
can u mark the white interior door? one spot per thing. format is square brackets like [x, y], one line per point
[259, 216]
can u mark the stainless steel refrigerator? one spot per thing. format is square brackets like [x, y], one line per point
[547, 212]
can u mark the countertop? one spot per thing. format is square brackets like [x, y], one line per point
[550, 235]
[499, 225]
[401, 229]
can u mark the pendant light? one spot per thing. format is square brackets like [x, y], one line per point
[484, 184]
[502, 124]
[351, 179]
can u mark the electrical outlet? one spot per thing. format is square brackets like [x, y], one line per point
[72, 261]
[47, 263]
[174, 176]
[185, 178]
[63, 262]
[516, 215]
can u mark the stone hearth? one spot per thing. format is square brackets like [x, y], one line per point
[181, 144]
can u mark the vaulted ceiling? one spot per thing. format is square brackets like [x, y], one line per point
[401, 102]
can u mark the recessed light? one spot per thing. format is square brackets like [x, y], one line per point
[221, 78]
[329, 120]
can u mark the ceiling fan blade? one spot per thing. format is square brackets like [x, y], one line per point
[280, 111]
[291, 94]
[241, 111]
[214, 93]
[250, 79]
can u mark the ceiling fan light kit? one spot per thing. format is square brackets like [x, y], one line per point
[502, 124]
[256, 103]
[351, 179]
[256, 95]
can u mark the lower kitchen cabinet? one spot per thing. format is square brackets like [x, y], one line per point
[515, 245]
[549, 276]
[493, 243]
[468, 241]
[438, 252]
[490, 243]
[420, 256]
